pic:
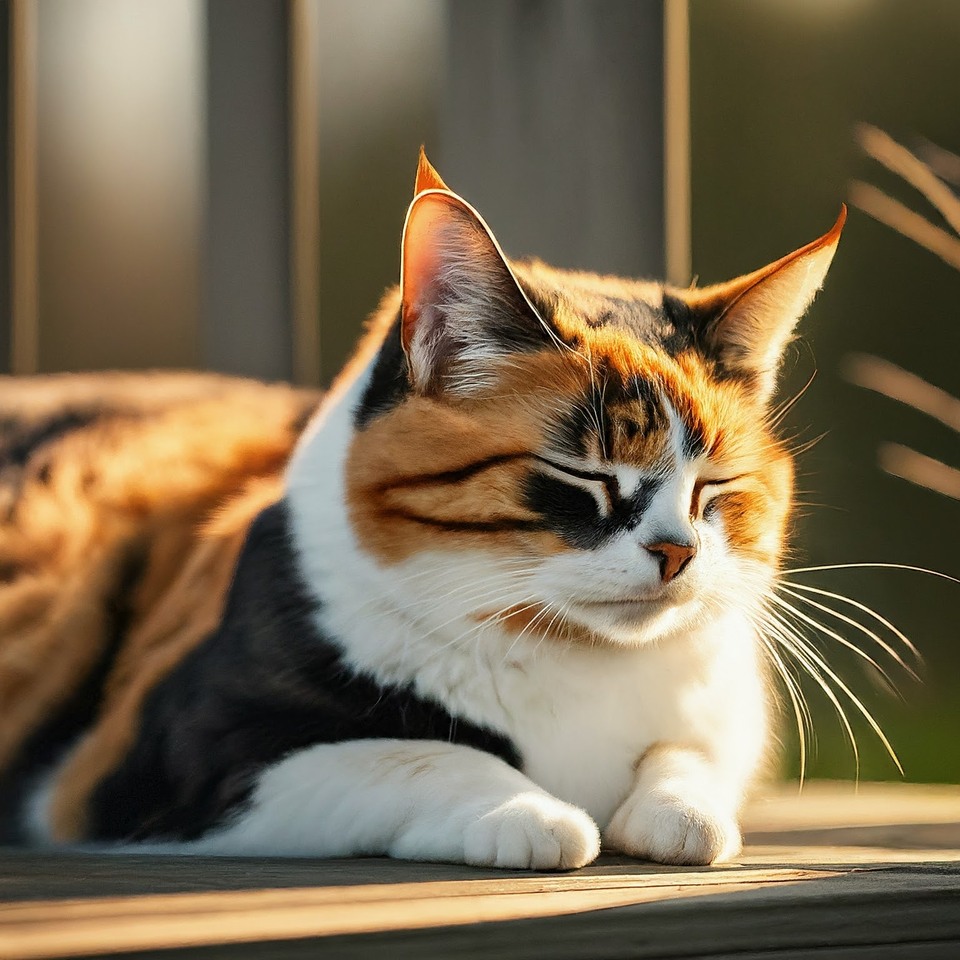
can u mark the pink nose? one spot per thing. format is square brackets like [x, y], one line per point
[672, 557]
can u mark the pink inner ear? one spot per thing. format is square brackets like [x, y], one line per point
[421, 262]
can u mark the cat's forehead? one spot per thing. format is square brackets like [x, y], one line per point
[618, 399]
[631, 420]
[580, 305]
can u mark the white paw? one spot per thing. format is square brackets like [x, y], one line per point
[670, 829]
[532, 831]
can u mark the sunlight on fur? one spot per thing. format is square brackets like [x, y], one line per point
[511, 589]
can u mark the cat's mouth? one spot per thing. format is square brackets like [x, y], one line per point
[623, 603]
[621, 609]
[646, 612]
[618, 601]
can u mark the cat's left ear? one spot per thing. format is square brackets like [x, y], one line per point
[463, 310]
[746, 323]
[427, 176]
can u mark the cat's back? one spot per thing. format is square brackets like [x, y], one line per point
[123, 501]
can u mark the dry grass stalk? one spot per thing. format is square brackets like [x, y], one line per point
[931, 178]
[899, 160]
[918, 468]
[943, 163]
[892, 381]
[901, 218]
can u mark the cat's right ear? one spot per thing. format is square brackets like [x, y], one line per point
[463, 310]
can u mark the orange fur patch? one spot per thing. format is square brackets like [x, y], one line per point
[112, 516]
[447, 474]
[172, 624]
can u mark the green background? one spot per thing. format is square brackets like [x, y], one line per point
[777, 88]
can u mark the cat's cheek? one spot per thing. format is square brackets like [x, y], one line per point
[620, 568]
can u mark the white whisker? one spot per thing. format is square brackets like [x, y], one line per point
[860, 606]
[822, 665]
[822, 628]
[884, 566]
[812, 665]
[801, 714]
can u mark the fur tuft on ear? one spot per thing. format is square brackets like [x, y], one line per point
[462, 307]
[427, 176]
[746, 323]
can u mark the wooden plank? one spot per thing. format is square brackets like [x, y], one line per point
[676, 142]
[120, 184]
[840, 857]
[826, 804]
[815, 918]
[781, 900]
[805, 917]
[6, 183]
[902, 816]
[74, 928]
[245, 327]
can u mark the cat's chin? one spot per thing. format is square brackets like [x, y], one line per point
[632, 622]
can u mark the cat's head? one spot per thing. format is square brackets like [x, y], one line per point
[575, 455]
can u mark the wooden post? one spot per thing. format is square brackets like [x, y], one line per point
[245, 322]
[676, 141]
[24, 309]
[304, 193]
[553, 126]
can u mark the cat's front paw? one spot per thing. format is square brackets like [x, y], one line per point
[669, 829]
[532, 831]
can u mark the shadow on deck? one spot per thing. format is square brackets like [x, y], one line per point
[834, 873]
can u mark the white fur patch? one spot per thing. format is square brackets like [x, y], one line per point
[418, 800]
[685, 672]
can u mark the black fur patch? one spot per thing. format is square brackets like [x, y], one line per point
[574, 515]
[681, 327]
[264, 685]
[670, 325]
[47, 743]
[571, 434]
[19, 441]
[694, 441]
[389, 383]
[22, 445]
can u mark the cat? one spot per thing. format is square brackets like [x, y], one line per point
[492, 603]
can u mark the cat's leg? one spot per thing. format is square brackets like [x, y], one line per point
[415, 800]
[681, 810]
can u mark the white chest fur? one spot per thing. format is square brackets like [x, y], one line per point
[581, 716]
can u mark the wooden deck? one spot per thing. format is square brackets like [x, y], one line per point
[872, 875]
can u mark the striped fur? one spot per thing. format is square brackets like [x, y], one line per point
[494, 601]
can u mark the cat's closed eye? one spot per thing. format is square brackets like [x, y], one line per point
[708, 495]
[596, 482]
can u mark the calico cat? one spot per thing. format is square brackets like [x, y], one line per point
[498, 602]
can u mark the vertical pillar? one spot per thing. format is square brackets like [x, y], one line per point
[19, 337]
[304, 192]
[676, 141]
[245, 317]
[553, 126]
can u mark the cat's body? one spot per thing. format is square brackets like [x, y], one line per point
[504, 600]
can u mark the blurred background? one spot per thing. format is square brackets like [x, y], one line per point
[221, 184]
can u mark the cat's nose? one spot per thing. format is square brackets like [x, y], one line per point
[672, 557]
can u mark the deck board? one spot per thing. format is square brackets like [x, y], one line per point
[832, 873]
